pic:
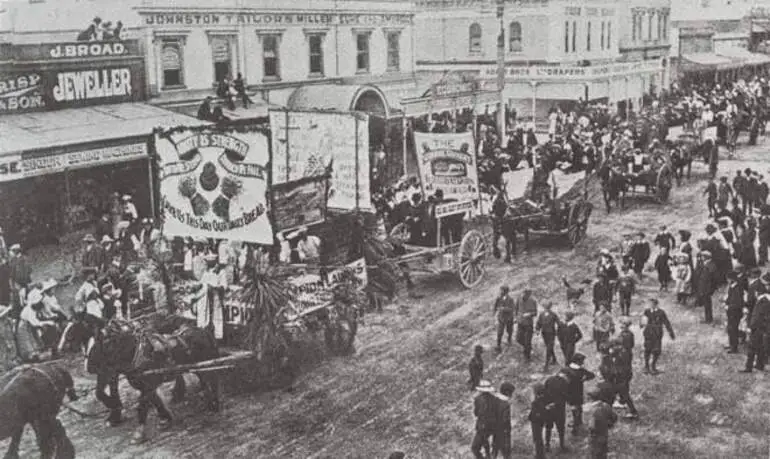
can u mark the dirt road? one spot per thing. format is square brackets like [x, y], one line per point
[405, 389]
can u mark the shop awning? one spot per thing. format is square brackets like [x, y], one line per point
[709, 61]
[745, 55]
[42, 130]
[340, 97]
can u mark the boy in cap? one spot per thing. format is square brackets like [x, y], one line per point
[654, 320]
[577, 376]
[604, 326]
[476, 367]
[484, 409]
[547, 325]
[569, 335]
[626, 289]
[504, 309]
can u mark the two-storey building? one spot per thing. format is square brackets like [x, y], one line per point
[555, 51]
[644, 35]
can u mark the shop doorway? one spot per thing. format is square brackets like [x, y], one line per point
[220, 50]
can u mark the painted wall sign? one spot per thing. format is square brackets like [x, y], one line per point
[91, 49]
[21, 92]
[70, 86]
[94, 51]
[576, 73]
[274, 19]
[16, 167]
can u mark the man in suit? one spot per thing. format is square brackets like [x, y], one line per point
[759, 322]
[705, 282]
[502, 436]
[734, 304]
[484, 409]
[577, 375]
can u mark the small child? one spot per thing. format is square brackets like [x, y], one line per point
[547, 324]
[683, 278]
[604, 326]
[626, 289]
[627, 336]
[569, 335]
[662, 265]
[476, 367]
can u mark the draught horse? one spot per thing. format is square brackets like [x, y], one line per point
[122, 348]
[33, 394]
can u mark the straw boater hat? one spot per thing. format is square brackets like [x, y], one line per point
[34, 296]
[485, 386]
[15, 248]
[89, 238]
[106, 239]
[765, 278]
[48, 285]
[605, 252]
[126, 197]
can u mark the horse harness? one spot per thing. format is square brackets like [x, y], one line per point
[23, 369]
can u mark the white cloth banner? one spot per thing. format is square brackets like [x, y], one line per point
[213, 184]
[310, 290]
[447, 162]
[305, 143]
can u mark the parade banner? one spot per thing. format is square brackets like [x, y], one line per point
[311, 290]
[213, 185]
[305, 144]
[302, 202]
[448, 162]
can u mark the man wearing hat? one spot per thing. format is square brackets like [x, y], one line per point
[502, 438]
[504, 309]
[569, 335]
[525, 312]
[759, 324]
[93, 254]
[601, 419]
[640, 253]
[763, 233]
[724, 192]
[476, 367]
[21, 277]
[129, 209]
[109, 250]
[711, 197]
[654, 320]
[538, 418]
[576, 376]
[31, 328]
[734, 304]
[705, 283]
[484, 408]
[51, 307]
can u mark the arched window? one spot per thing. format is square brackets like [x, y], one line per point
[474, 38]
[171, 63]
[514, 37]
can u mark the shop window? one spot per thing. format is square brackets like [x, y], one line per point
[394, 51]
[588, 36]
[220, 51]
[665, 26]
[172, 64]
[315, 46]
[362, 52]
[474, 38]
[566, 36]
[609, 34]
[514, 38]
[270, 57]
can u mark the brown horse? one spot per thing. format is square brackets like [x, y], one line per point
[33, 394]
[122, 348]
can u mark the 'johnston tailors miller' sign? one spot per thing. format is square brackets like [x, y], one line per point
[62, 75]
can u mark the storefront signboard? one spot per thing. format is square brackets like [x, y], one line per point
[447, 162]
[300, 19]
[298, 203]
[17, 167]
[305, 144]
[69, 87]
[214, 184]
[560, 73]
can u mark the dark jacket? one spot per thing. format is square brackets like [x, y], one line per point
[93, 258]
[734, 299]
[747, 255]
[601, 294]
[760, 315]
[547, 323]
[569, 333]
[764, 228]
[21, 273]
[484, 409]
[705, 279]
[627, 339]
[603, 420]
[576, 378]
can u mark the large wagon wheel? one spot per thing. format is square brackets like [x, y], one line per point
[471, 256]
[577, 224]
[663, 184]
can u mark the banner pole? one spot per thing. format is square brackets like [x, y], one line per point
[287, 144]
[357, 152]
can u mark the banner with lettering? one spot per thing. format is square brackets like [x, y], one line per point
[447, 162]
[311, 290]
[213, 184]
[306, 143]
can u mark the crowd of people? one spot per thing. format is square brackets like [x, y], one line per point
[720, 264]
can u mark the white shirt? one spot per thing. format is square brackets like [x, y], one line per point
[84, 291]
[223, 253]
[51, 306]
[95, 308]
[188, 260]
[29, 315]
[130, 208]
[285, 255]
[309, 248]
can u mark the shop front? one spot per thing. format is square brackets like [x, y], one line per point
[74, 137]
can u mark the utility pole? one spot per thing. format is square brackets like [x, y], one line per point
[501, 73]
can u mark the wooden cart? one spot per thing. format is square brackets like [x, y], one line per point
[465, 258]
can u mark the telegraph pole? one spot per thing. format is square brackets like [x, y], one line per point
[501, 73]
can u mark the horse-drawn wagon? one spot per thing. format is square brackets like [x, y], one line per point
[632, 171]
[441, 249]
[560, 207]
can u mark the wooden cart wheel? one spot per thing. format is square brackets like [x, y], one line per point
[471, 256]
[575, 228]
[663, 184]
[400, 233]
